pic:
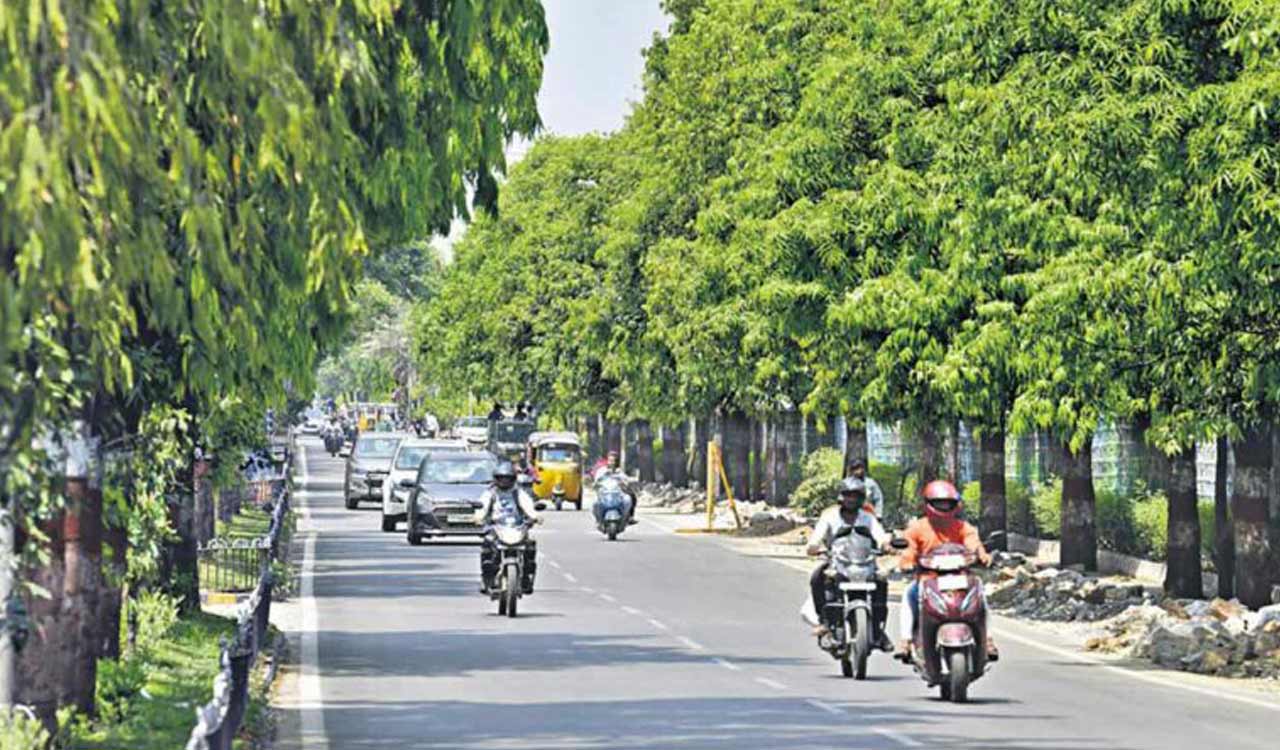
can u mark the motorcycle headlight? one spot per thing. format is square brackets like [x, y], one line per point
[510, 535]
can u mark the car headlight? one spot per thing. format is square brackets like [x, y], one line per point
[510, 535]
[423, 502]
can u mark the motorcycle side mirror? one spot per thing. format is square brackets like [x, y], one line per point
[899, 543]
[992, 537]
[539, 507]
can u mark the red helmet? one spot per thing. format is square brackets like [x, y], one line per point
[941, 500]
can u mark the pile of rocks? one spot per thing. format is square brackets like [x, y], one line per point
[1047, 593]
[1214, 637]
[682, 500]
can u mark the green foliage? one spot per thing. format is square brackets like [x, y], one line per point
[119, 684]
[819, 487]
[18, 731]
[1045, 504]
[154, 615]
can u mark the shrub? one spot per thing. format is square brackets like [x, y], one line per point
[119, 682]
[820, 481]
[154, 614]
[1151, 526]
[1046, 510]
[899, 486]
[1207, 527]
[19, 731]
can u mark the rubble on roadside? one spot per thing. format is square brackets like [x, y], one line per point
[1215, 637]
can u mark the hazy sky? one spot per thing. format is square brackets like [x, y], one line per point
[594, 67]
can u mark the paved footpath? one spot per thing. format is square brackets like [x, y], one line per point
[666, 641]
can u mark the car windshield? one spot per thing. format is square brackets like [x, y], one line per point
[410, 457]
[562, 453]
[462, 469]
[512, 432]
[377, 447]
[473, 422]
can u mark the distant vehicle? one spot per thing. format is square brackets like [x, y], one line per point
[508, 437]
[444, 497]
[312, 425]
[368, 466]
[474, 430]
[405, 467]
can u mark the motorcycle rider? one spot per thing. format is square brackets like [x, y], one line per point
[940, 525]
[849, 512]
[505, 498]
[612, 468]
[875, 495]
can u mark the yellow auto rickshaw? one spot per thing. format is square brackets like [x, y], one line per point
[557, 458]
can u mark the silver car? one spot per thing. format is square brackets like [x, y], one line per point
[369, 465]
[444, 499]
[474, 430]
[404, 468]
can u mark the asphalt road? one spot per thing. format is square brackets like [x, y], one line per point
[666, 641]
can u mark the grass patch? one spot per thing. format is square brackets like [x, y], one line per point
[179, 669]
[249, 523]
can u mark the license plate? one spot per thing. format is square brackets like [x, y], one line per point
[948, 562]
[857, 586]
[460, 518]
[953, 583]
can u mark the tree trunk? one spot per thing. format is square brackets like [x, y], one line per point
[644, 450]
[179, 567]
[757, 461]
[631, 448]
[698, 456]
[203, 508]
[1249, 512]
[595, 447]
[48, 657]
[82, 584]
[930, 456]
[613, 437]
[1183, 577]
[1079, 532]
[994, 515]
[737, 453]
[953, 454]
[855, 442]
[673, 457]
[116, 540]
[1224, 540]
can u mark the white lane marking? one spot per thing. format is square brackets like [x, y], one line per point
[309, 686]
[771, 683]
[833, 710]
[1154, 679]
[658, 624]
[587, 590]
[897, 737]
[569, 577]
[553, 564]
[727, 664]
[689, 642]
[608, 598]
[632, 611]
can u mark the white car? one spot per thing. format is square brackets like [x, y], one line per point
[474, 430]
[404, 467]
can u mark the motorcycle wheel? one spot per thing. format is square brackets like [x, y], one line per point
[511, 595]
[559, 505]
[577, 505]
[846, 667]
[502, 603]
[861, 642]
[956, 686]
[613, 532]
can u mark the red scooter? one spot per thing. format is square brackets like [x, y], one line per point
[949, 647]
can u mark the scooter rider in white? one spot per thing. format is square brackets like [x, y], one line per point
[504, 498]
[850, 512]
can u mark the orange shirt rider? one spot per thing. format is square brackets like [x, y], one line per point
[926, 534]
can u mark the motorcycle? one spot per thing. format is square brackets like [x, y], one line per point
[510, 537]
[611, 509]
[849, 617]
[949, 644]
[332, 441]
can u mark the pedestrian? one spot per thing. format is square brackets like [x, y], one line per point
[875, 495]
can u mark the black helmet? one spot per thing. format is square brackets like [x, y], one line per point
[853, 486]
[504, 474]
